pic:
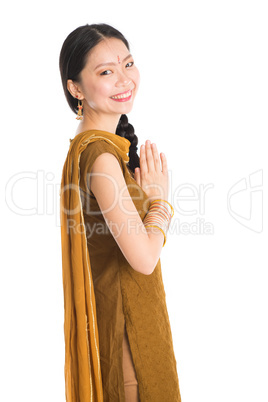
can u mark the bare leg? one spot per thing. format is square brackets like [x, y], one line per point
[130, 379]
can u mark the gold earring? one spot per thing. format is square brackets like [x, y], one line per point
[80, 110]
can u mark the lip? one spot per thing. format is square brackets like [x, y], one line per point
[122, 97]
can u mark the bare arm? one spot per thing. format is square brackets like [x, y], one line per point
[141, 246]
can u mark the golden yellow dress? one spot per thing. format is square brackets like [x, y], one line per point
[124, 296]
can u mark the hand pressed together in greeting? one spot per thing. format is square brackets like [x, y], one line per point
[150, 177]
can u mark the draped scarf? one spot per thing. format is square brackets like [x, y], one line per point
[82, 370]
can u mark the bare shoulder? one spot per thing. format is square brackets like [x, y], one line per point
[107, 176]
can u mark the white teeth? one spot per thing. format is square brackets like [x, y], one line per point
[126, 95]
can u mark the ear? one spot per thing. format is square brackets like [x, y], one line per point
[74, 90]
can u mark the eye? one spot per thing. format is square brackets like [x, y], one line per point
[106, 72]
[130, 64]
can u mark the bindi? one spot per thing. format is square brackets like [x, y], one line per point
[118, 58]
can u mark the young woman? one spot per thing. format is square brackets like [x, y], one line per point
[115, 215]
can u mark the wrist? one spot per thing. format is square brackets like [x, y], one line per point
[159, 216]
[163, 203]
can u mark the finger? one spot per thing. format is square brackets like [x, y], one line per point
[137, 176]
[143, 161]
[156, 157]
[164, 163]
[149, 157]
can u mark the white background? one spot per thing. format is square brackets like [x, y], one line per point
[203, 100]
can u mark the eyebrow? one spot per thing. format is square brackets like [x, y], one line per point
[111, 63]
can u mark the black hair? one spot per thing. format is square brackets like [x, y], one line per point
[73, 58]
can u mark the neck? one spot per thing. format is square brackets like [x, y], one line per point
[96, 122]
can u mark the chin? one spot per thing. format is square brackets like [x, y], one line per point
[125, 107]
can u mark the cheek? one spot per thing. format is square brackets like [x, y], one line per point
[97, 89]
[105, 87]
[136, 77]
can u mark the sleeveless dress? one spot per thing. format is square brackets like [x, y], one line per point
[127, 299]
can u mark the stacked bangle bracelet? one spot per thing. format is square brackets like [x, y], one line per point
[159, 216]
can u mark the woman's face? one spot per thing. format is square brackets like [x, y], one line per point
[110, 79]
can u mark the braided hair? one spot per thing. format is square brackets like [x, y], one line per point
[126, 130]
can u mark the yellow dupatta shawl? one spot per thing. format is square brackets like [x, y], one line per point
[83, 381]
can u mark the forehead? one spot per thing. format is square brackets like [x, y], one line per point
[107, 51]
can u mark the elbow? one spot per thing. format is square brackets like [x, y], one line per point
[148, 271]
[147, 267]
[143, 259]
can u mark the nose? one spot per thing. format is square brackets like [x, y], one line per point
[123, 79]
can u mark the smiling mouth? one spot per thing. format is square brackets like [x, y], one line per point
[125, 96]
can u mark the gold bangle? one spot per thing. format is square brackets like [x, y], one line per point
[171, 207]
[154, 226]
[155, 209]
